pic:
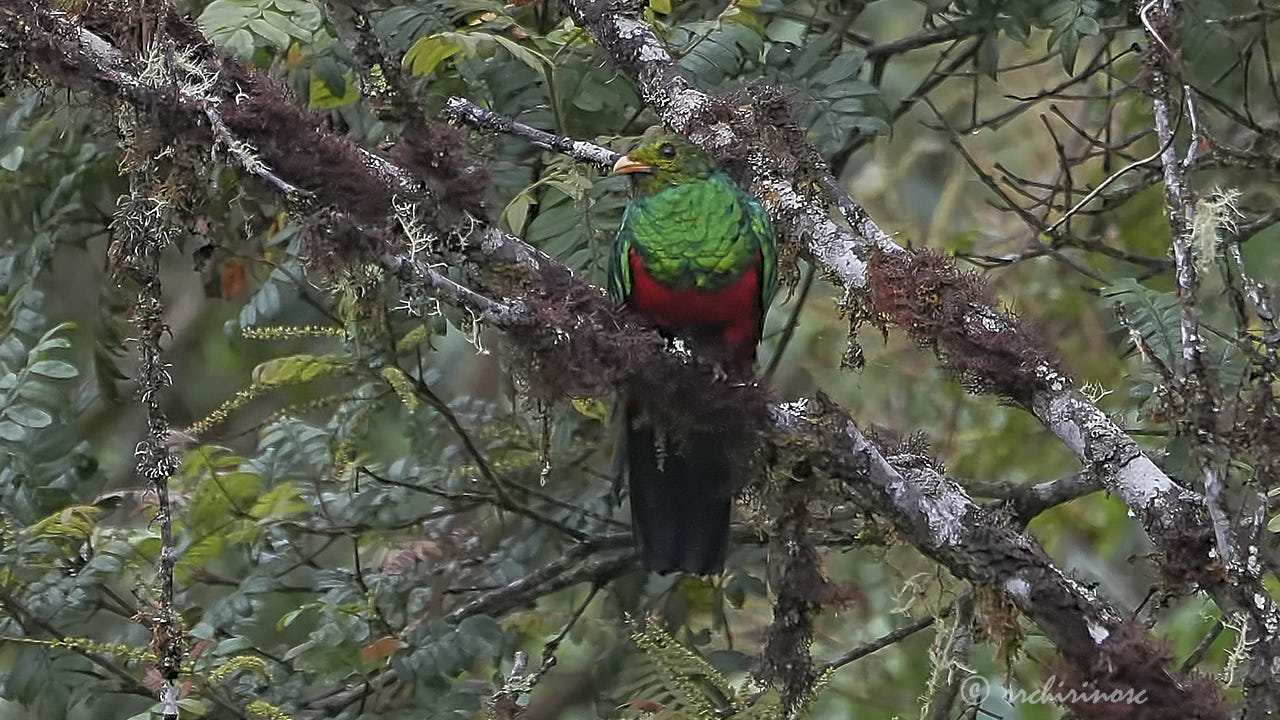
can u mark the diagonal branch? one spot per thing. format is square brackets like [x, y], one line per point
[974, 543]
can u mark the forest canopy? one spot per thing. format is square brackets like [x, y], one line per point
[308, 377]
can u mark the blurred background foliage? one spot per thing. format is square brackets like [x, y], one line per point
[332, 520]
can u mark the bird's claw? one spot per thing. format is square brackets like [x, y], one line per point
[717, 373]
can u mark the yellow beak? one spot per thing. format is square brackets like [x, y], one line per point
[628, 164]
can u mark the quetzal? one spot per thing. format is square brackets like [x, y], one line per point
[696, 257]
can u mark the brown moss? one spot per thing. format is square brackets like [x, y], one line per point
[939, 306]
[795, 576]
[998, 620]
[1188, 546]
[291, 141]
[333, 240]
[1130, 664]
[790, 499]
[438, 153]
[580, 343]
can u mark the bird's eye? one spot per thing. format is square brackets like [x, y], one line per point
[668, 151]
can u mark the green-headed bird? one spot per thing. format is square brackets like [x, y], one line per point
[696, 257]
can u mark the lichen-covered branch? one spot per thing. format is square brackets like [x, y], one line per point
[1029, 500]
[464, 111]
[940, 520]
[1199, 391]
[1177, 195]
[1160, 21]
[142, 229]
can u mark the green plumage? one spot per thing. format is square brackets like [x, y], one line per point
[700, 234]
[693, 226]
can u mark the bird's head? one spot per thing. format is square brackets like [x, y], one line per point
[663, 159]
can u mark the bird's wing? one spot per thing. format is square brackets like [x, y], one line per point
[762, 228]
[620, 263]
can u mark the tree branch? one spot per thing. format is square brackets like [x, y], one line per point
[464, 111]
[1028, 501]
[941, 521]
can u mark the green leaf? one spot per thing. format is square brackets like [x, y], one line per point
[517, 212]
[558, 216]
[336, 78]
[239, 43]
[844, 65]
[1153, 314]
[270, 33]
[1086, 25]
[302, 9]
[729, 661]
[428, 52]
[280, 502]
[11, 432]
[55, 369]
[850, 88]
[594, 408]
[868, 125]
[297, 368]
[324, 96]
[292, 616]
[233, 645]
[588, 102]
[222, 16]
[219, 496]
[988, 60]
[286, 24]
[53, 340]
[786, 30]
[483, 627]
[1068, 46]
[28, 416]
[810, 55]
[193, 707]
[198, 556]
[532, 58]
[13, 160]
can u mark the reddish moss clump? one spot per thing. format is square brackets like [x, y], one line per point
[458, 183]
[581, 344]
[351, 223]
[956, 315]
[332, 241]
[1131, 682]
[293, 144]
[796, 578]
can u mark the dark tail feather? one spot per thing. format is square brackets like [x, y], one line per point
[681, 497]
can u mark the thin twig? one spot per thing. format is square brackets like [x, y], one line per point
[464, 111]
[884, 641]
[788, 330]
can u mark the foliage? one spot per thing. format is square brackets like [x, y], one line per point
[373, 520]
